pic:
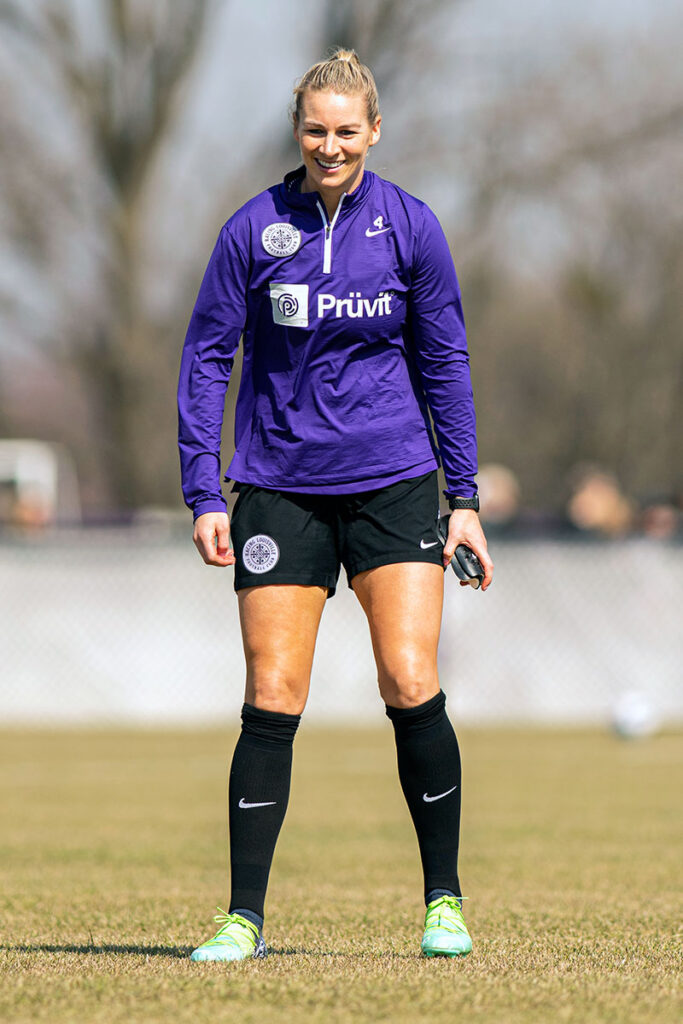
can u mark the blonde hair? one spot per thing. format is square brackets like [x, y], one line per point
[343, 73]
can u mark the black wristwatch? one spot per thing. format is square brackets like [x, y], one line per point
[472, 503]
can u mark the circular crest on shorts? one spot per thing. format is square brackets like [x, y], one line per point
[260, 553]
[281, 239]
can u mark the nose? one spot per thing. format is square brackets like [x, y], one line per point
[328, 146]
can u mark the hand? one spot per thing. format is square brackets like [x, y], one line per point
[464, 528]
[212, 538]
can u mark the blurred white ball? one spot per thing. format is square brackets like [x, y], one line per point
[633, 716]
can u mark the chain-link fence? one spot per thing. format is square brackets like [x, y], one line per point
[125, 627]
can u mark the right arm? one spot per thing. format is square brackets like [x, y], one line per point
[212, 538]
[210, 346]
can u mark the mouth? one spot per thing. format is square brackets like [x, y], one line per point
[329, 165]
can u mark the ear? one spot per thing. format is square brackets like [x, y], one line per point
[295, 127]
[375, 132]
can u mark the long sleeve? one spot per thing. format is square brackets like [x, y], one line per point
[211, 343]
[441, 356]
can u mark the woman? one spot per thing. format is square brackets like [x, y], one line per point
[344, 291]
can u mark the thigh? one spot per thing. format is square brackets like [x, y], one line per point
[394, 524]
[279, 630]
[284, 539]
[403, 603]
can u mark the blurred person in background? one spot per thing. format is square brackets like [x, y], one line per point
[597, 503]
[661, 520]
[343, 289]
[499, 494]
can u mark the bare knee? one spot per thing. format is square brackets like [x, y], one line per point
[276, 691]
[408, 686]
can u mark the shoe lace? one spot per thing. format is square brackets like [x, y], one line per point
[446, 912]
[225, 920]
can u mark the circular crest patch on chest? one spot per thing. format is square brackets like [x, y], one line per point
[260, 553]
[281, 239]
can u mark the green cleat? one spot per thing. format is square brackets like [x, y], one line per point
[236, 939]
[445, 929]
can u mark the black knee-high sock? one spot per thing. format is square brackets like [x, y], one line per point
[430, 774]
[257, 800]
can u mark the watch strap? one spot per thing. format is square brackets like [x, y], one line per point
[473, 503]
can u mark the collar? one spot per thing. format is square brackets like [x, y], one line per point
[290, 191]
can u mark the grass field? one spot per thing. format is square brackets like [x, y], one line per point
[112, 856]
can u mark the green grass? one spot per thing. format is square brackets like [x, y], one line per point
[112, 857]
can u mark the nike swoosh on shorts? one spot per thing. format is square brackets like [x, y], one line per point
[430, 545]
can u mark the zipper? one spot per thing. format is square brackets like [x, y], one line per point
[328, 226]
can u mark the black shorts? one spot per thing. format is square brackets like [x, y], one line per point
[279, 537]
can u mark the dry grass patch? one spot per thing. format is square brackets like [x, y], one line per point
[112, 855]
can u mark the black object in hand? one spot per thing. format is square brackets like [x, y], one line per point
[465, 563]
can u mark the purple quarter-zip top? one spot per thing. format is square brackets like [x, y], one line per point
[352, 333]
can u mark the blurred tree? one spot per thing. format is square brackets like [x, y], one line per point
[574, 270]
[114, 77]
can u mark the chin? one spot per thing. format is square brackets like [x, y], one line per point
[333, 181]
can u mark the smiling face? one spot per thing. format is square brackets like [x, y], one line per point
[334, 135]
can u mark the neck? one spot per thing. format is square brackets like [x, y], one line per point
[330, 196]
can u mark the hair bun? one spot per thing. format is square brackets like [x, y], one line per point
[348, 55]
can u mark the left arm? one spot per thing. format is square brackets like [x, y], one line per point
[442, 359]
